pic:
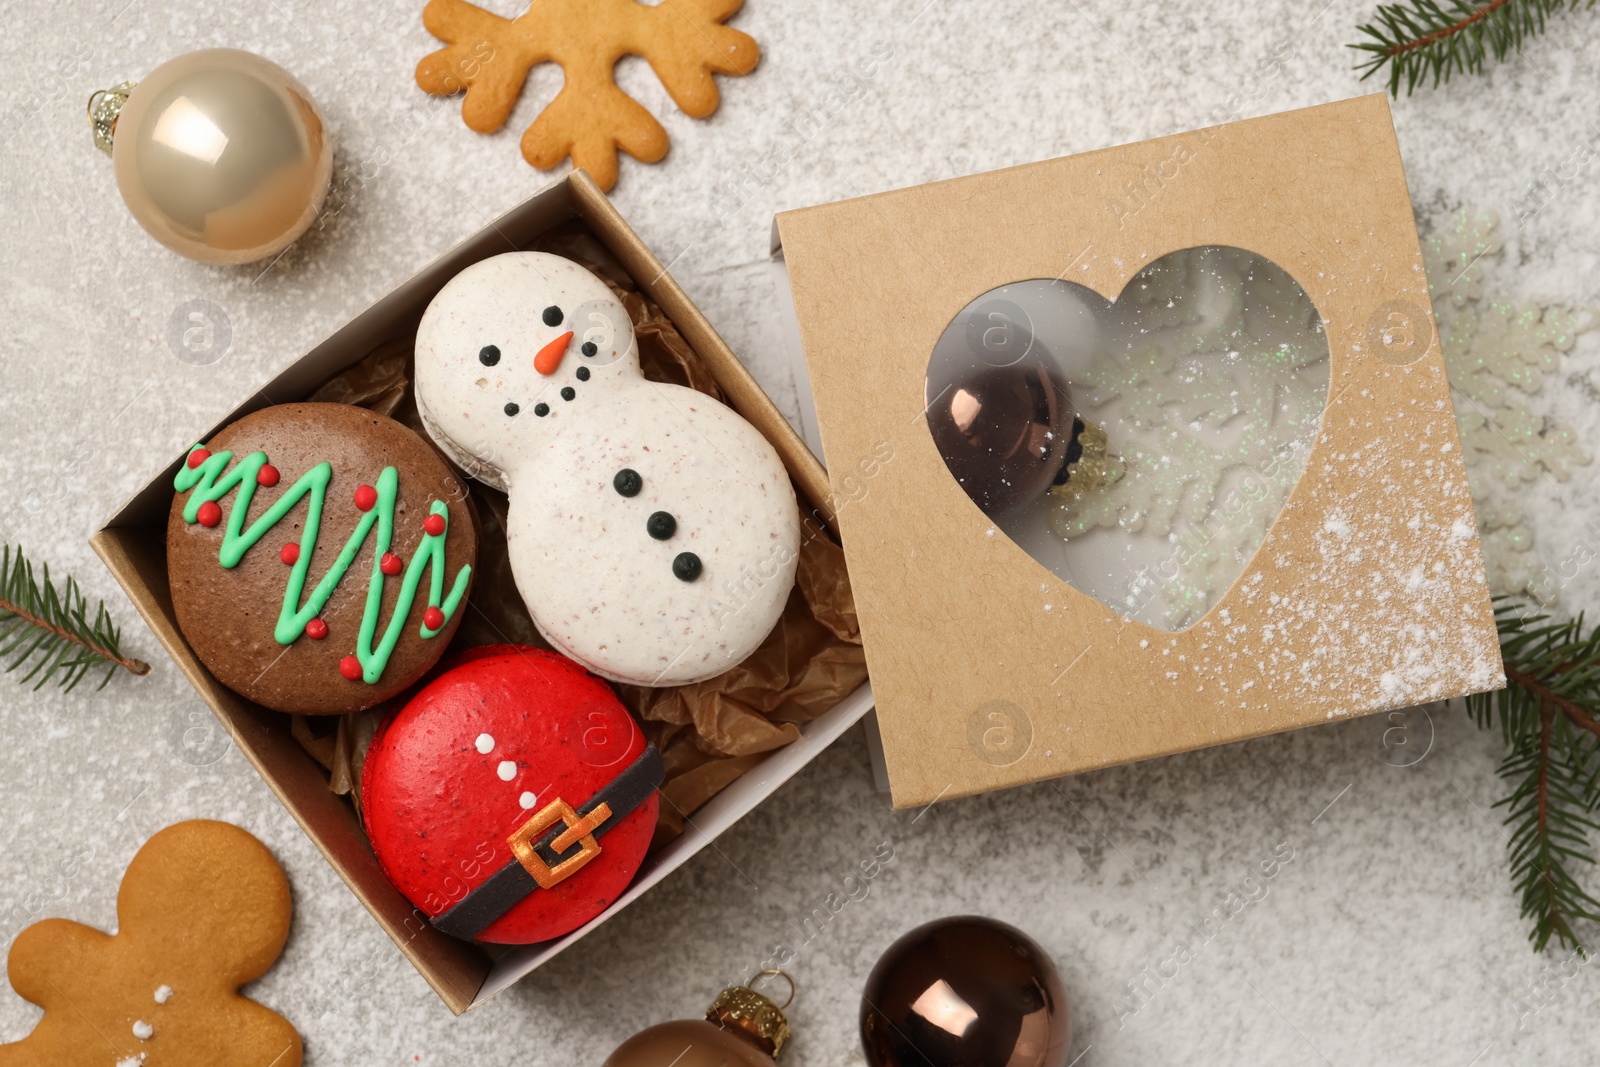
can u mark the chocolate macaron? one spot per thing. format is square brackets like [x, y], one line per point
[319, 556]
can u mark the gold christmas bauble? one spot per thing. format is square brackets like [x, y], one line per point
[221, 155]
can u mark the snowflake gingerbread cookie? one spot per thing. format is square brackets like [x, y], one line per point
[590, 118]
[653, 532]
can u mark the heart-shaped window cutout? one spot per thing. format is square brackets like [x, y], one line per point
[1138, 449]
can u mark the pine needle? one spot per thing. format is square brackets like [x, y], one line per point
[1548, 718]
[1420, 39]
[48, 630]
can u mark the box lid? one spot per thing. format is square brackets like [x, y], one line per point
[1368, 590]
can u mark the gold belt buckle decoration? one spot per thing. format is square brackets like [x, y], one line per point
[580, 830]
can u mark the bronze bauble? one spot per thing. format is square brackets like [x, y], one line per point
[742, 1028]
[1002, 431]
[997, 409]
[688, 1043]
[965, 992]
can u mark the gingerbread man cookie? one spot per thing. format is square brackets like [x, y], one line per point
[203, 909]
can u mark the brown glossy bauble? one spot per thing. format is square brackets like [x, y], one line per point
[222, 156]
[965, 992]
[1002, 431]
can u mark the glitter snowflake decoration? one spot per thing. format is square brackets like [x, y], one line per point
[1499, 354]
[1210, 385]
[1214, 398]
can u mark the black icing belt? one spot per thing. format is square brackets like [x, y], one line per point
[511, 884]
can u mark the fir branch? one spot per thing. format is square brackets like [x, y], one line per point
[1418, 39]
[1548, 719]
[1574, 711]
[51, 628]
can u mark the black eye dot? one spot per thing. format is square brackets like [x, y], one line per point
[512, 409]
[686, 566]
[488, 355]
[583, 374]
[627, 482]
[568, 392]
[588, 348]
[541, 410]
[553, 316]
[661, 525]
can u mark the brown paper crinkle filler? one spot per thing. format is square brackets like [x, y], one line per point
[709, 733]
[712, 732]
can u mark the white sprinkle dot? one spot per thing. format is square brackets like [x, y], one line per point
[507, 770]
[143, 1030]
[163, 994]
[485, 744]
[527, 800]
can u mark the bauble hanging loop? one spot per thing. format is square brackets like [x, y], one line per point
[104, 107]
[755, 1016]
[220, 155]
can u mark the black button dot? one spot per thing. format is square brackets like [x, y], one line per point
[553, 316]
[661, 525]
[512, 409]
[627, 482]
[583, 374]
[568, 392]
[541, 410]
[686, 566]
[489, 355]
[588, 348]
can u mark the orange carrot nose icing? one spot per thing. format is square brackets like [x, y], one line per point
[549, 357]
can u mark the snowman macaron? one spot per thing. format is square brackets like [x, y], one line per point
[653, 532]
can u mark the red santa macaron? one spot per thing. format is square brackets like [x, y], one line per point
[513, 798]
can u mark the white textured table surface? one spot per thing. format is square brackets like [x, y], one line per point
[1392, 936]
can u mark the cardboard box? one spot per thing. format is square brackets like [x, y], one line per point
[133, 545]
[1368, 591]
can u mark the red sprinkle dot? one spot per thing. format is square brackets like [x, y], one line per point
[209, 514]
[390, 564]
[267, 475]
[350, 667]
[366, 496]
[433, 525]
[433, 619]
[290, 554]
[197, 457]
[316, 629]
